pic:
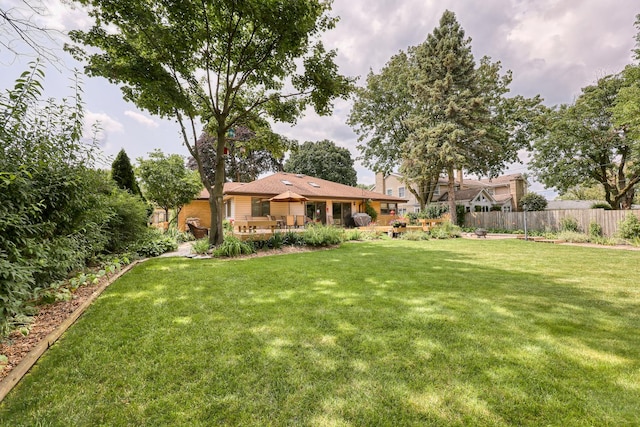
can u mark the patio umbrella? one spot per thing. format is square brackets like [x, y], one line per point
[288, 196]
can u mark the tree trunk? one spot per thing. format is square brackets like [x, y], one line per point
[216, 234]
[451, 188]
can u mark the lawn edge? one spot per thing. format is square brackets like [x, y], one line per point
[17, 373]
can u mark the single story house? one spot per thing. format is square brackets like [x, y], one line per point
[326, 202]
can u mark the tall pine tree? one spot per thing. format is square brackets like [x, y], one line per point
[122, 174]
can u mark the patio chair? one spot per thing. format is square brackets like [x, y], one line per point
[198, 232]
[291, 221]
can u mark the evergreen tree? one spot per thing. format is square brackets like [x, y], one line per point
[122, 173]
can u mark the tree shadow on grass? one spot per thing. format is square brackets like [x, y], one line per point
[389, 337]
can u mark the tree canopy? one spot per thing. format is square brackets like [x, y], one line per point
[216, 63]
[433, 110]
[583, 146]
[325, 160]
[167, 182]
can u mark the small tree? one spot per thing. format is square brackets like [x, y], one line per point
[167, 182]
[122, 173]
[532, 202]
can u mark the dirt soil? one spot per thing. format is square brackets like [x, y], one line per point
[16, 346]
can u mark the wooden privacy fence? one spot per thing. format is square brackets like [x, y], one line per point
[549, 220]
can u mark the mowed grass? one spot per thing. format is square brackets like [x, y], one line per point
[460, 332]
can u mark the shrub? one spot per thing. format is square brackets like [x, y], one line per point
[201, 246]
[595, 229]
[601, 205]
[322, 236]
[232, 247]
[415, 235]
[354, 234]
[573, 237]
[629, 228]
[433, 211]
[445, 231]
[154, 243]
[569, 223]
[292, 238]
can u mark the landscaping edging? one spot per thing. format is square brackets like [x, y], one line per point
[17, 373]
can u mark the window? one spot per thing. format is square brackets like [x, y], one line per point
[436, 191]
[401, 192]
[285, 182]
[386, 208]
[260, 207]
[402, 211]
[313, 184]
[390, 192]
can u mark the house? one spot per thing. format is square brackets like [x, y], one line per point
[327, 202]
[503, 192]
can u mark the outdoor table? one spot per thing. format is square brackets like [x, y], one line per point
[252, 224]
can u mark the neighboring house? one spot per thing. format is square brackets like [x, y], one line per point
[327, 202]
[571, 204]
[503, 192]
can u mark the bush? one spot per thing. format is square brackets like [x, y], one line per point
[201, 246]
[569, 223]
[322, 236]
[433, 211]
[573, 237]
[232, 247]
[629, 228]
[415, 235]
[595, 229]
[354, 234]
[155, 243]
[601, 205]
[292, 238]
[445, 231]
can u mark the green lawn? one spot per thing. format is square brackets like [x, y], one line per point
[459, 332]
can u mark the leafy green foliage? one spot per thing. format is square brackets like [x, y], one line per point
[166, 180]
[155, 244]
[595, 229]
[201, 246]
[569, 223]
[446, 230]
[220, 63]
[322, 236]
[122, 173]
[56, 213]
[232, 247]
[325, 160]
[629, 228]
[582, 146]
[533, 202]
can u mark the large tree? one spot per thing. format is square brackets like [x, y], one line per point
[252, 150]
[445, 113]
[167, 182]
[325, 160]
[582, 146]
[215, 62]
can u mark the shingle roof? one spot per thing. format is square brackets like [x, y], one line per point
[308, 186]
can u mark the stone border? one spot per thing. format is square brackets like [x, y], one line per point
[17, 373]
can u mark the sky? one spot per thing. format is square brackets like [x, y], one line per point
[553, 48]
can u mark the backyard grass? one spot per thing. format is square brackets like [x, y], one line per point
[458, 332]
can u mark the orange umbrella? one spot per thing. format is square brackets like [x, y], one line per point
[288, 196]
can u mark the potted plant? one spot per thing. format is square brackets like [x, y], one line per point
[398, 222]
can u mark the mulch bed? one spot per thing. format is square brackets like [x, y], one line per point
[16, 346]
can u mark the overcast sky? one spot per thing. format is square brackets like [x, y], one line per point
[553, 47]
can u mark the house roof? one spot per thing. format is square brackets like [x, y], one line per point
[307, 186]
[466, 195]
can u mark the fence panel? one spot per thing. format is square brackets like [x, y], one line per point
[550, 220]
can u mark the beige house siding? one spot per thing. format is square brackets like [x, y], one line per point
[196, 209]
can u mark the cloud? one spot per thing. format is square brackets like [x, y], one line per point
[142, 119]
[100, 126]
